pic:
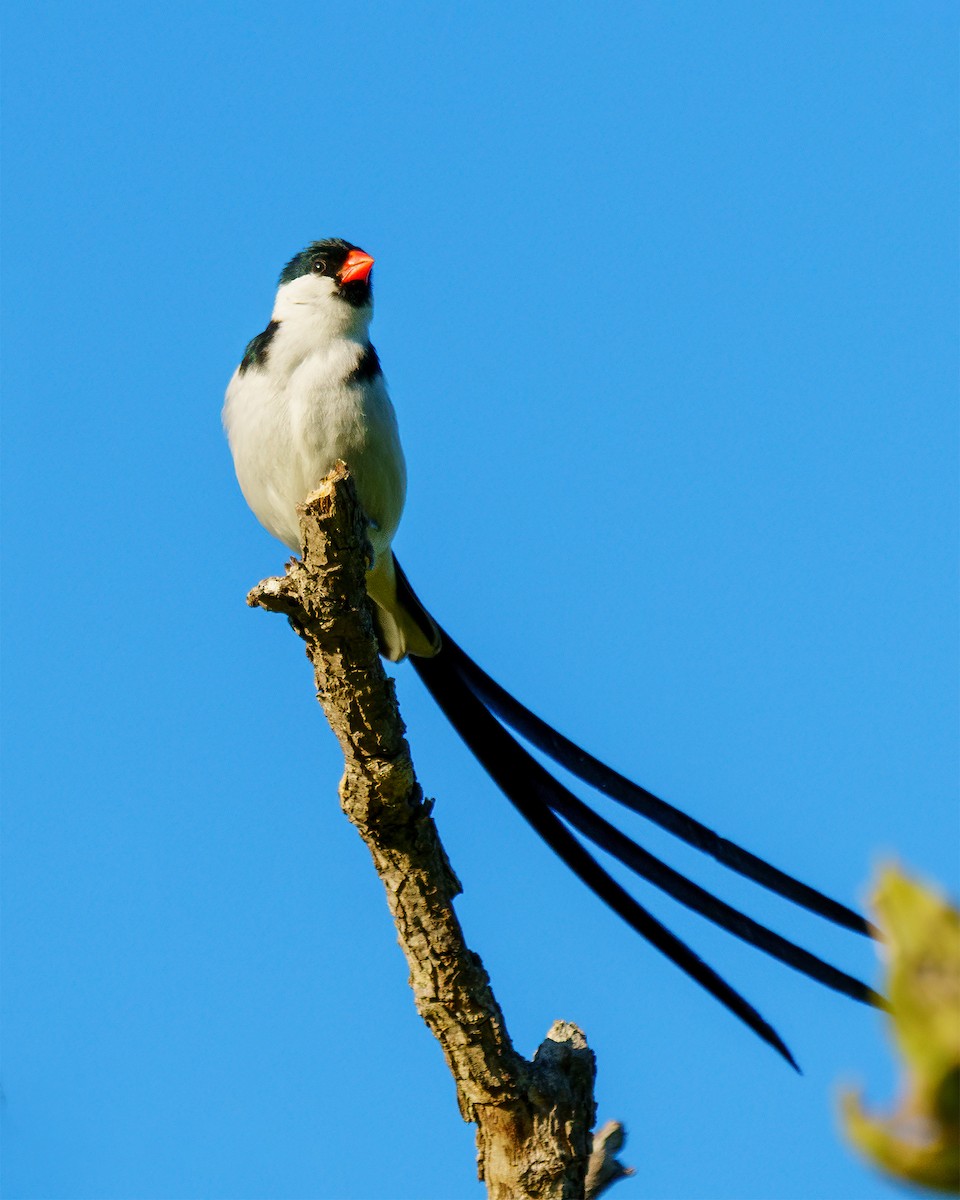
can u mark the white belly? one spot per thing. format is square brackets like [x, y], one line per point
[287, 431]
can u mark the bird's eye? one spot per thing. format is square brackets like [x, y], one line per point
[319, 265]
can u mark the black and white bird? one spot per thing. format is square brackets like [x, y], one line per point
[309, 391]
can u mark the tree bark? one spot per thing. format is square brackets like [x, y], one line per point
[534, 1117]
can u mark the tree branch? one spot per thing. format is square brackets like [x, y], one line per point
[533, 1118]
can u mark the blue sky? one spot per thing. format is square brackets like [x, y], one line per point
[666, 298]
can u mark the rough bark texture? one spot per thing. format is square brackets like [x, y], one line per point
[533, 1118]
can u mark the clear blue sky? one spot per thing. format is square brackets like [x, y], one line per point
[666, 297]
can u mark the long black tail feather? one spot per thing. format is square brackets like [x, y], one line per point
[534, 793]
[694, 897]
[583, 765]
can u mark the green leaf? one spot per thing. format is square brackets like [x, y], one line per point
[919, 1142]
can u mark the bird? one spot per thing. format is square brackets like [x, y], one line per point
[309, 391]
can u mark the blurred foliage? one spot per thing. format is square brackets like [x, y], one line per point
[919, 1142]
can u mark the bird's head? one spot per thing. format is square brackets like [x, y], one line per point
[328, 273]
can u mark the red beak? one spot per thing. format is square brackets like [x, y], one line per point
[356, 265]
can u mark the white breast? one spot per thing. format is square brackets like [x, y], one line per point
[289, 420]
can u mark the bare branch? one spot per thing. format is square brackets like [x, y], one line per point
[533, 1118]
[605, 1168]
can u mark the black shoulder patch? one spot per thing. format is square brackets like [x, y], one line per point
[255, 354]
[367, 368]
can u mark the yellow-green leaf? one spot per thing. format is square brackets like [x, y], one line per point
[920, 1141]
